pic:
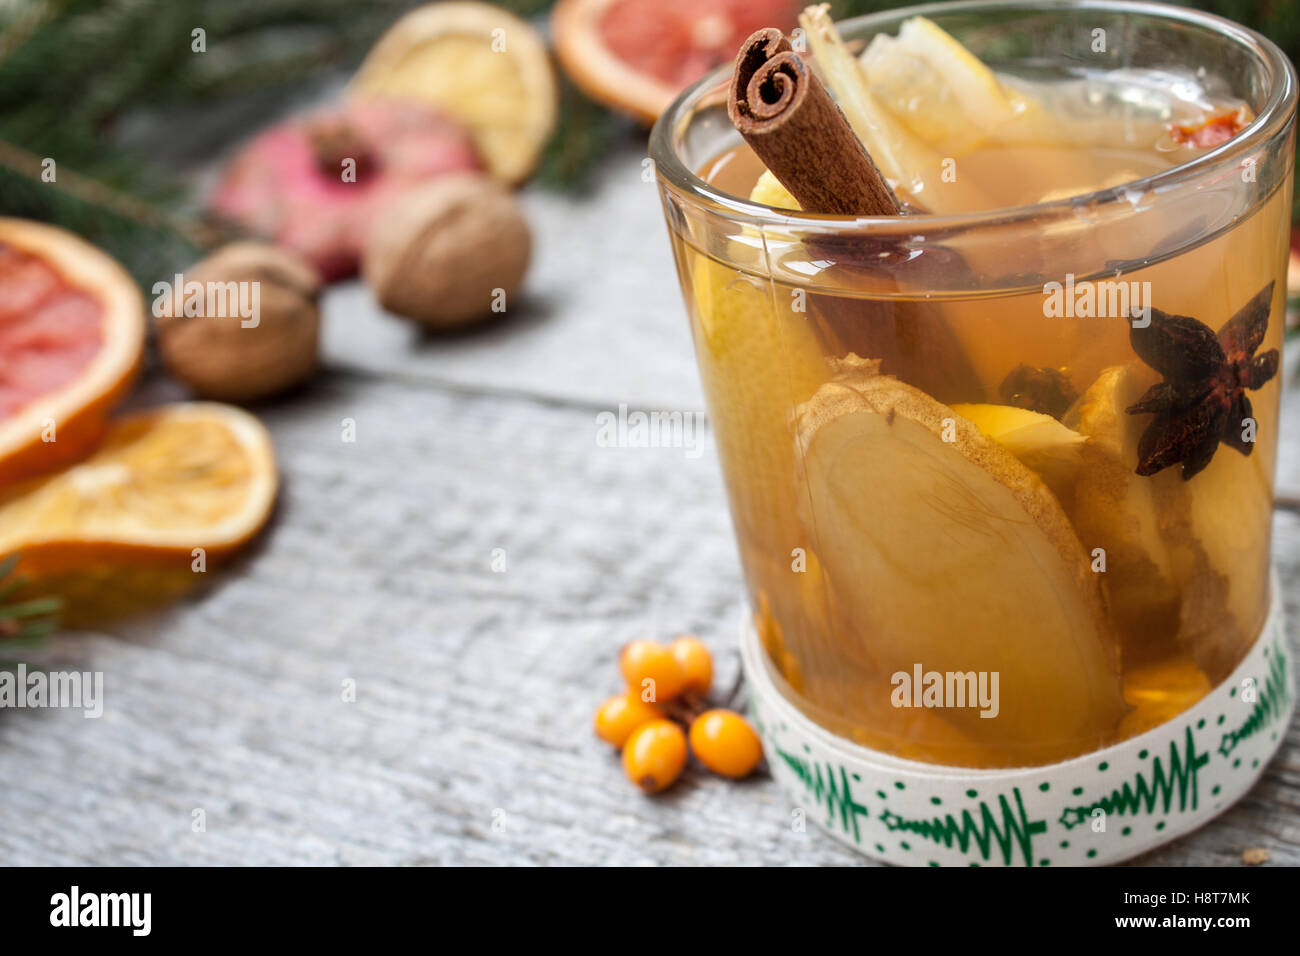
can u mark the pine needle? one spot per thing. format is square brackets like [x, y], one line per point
[26, 620]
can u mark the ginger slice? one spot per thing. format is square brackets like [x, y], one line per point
[1218, 527]
[955, 556]
[1186, 561]
[1117, 510]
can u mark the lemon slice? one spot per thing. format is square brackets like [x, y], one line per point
[476, 62]
[942, 92]
[769, 191]
[162, 483]
[1039, 442]
[760, 358]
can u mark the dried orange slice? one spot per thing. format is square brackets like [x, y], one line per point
[637, 55]
[475, 62]
[71, 337]
[162, 483]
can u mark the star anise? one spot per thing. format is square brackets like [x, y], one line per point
[1202, 400]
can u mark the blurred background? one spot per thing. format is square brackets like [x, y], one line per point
[136, 118]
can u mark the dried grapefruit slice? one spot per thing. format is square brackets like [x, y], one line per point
[163, 482]
[478, 63]
[71, 337]
[637, 55]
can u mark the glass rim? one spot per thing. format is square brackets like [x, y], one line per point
[1278, 110]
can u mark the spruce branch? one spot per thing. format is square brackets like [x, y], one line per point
[26, 619]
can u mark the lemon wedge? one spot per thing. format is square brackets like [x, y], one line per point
[769, 191]
[935, 86]
[1039, 442]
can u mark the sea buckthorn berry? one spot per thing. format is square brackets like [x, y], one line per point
[620, 715]
[695, 661]
[654, 755]
[725, 743]
[651, 671]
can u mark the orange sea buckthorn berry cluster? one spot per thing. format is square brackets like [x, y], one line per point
[665, 688]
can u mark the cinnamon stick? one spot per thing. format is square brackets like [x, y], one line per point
[792, 124]
[790, 121]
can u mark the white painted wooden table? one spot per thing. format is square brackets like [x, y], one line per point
[475, 689]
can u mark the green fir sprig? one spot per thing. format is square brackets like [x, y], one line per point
[23, 620]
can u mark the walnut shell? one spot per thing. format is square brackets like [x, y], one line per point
[440, 253]
[220, 357]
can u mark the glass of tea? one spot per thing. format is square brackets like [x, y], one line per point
[1000, 462]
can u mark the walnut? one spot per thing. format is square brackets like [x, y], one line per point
[449, 252]
[244, 325]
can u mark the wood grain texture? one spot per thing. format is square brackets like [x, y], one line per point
[474, 689]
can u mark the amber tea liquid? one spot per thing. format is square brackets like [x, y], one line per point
[942, 477]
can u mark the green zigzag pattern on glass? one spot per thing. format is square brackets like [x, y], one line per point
[1141, 794]
[832, 789]
[1001, 826]
[1017, 831]
[837, 797]
[1271, 703]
